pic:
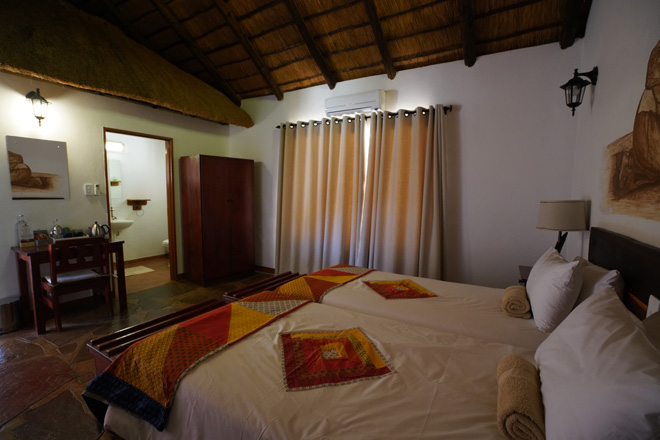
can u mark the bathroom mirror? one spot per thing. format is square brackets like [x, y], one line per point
[114, 179]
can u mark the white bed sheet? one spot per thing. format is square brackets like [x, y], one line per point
[463, 309]
[444, 387]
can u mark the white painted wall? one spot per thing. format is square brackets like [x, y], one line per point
[621, 35]
[142, 177]
[511, 144]
[78, 118]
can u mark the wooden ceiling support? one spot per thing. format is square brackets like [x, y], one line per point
[467, 20]
[210, 68]
[126, 25]
[380, 38]
[261, 49]
[230, 18]
[311, 46]
[570, 29]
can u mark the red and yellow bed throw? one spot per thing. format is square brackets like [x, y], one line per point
[318, 359]
[399, 289]
[144, 378]
[314, 286]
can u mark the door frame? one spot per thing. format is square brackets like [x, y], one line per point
[169, 176]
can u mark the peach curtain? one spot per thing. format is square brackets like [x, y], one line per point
[320, 193]
[402, 220]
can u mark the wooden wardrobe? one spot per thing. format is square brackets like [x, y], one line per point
[217, 204]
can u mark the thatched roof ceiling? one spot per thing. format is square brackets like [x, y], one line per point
[249, 48]
[54, 41]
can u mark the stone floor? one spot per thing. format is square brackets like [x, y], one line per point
[42, 377]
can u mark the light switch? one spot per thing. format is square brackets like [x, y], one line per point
[88, 189]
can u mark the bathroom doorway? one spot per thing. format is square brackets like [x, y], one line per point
[140, 196]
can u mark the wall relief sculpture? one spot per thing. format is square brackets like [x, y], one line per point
[634, 159]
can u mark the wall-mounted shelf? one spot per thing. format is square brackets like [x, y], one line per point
[137, 204]
[115, 182]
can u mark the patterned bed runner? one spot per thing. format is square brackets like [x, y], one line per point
[314, 286]
[144, 378]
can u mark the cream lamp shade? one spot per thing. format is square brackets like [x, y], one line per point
[562, 215]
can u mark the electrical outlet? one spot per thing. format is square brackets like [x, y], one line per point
[88, 189]
[654, 305]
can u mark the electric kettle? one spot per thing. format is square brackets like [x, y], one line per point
[99, 230]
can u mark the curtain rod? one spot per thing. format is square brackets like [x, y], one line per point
[445, 109]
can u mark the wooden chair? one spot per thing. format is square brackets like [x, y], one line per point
[76, 264]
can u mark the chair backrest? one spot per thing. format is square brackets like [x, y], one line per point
[73, 254]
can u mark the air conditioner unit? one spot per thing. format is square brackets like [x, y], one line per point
[355, 103]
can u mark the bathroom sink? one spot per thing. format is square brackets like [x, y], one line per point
[120, 224]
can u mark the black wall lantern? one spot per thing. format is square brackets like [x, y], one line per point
[39, 105]
[574, 88]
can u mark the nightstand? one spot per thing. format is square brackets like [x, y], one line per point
[524, 274]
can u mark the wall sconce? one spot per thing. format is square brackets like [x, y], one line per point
[39, 105]
[574, 88]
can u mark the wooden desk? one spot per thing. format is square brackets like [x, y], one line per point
[29, 278]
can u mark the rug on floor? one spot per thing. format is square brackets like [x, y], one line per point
[137, 270]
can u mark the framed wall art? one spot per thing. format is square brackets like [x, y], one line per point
[38, 168]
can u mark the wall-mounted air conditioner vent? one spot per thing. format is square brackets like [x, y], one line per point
[355, 103]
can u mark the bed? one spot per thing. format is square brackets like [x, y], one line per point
[424, 379]
[456, 308]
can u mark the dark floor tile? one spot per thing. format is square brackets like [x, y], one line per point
[196, 297]
[68, 348]
[70, 332]
[25, 382]
[153, 314]
[154, 302]
[62, 418]
[13, 349]
[81, 355]
[168, 290]
[7, 436]
[86, 378]
[119, 323]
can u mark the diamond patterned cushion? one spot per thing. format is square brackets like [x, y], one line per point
[318, 359]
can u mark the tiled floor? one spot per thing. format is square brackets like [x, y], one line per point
[42, 377]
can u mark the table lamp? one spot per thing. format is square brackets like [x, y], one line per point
[562, 215]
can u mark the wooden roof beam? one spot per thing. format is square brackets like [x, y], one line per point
[210, 68]
[311, 45]
[380, 38]
[230, 18]
[126, 25]
[571, 29]
[466, 17]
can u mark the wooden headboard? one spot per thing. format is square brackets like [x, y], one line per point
[636, 261]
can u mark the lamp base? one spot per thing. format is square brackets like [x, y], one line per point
[561, 238]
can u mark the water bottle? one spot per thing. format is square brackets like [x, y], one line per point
[25, 236]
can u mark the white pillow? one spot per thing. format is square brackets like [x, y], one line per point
[600, 374]
[652, 328]
[595, 278]
[552, 287]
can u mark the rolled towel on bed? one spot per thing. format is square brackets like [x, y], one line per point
[515, 302]
[519, 402]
